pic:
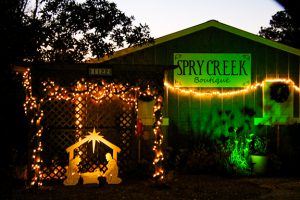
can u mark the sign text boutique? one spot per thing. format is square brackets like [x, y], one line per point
[212, 70]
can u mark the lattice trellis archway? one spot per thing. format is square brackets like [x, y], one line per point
[66, 121]
[65, 115]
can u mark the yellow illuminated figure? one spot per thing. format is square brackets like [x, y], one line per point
[111, 174]
[91, 177]
[73, 172]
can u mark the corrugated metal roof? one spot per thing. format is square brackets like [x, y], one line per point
[193, 29]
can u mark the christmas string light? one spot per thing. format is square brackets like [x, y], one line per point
[32, 108]
[158, 139]
[97, 91]
[229, 93]
[79, 95]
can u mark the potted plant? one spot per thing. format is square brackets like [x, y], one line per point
[259, 156]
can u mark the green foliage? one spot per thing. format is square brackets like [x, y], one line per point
[236, 141]
[259, 145]
[239, 146]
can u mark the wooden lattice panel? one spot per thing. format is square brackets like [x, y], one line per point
[80, 104]
[104, 114]
[53, 174]
[127, 121]
[55, 157]
[66, 121]
[92, 160]
[58, 113]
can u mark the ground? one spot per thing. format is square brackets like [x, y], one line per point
[178, 187]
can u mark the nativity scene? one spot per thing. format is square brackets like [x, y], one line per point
[111, 172]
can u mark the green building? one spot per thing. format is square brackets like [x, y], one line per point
[218, 77]
[208, 97]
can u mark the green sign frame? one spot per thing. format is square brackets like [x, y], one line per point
[212, 69]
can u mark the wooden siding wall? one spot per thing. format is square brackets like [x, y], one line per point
[267, 62]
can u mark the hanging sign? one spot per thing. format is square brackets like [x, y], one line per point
[212, 70]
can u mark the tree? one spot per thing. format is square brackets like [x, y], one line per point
[282, 29]
[65, 30]
[12, 46]
[13, 133]
[69, 31]
[292, 7]
[11, 28]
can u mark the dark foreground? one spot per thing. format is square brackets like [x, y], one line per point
[180, 187]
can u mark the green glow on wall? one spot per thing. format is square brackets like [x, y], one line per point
[260, 163]
[208, 120]
[212, 70]
[205, 125]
